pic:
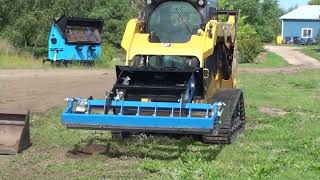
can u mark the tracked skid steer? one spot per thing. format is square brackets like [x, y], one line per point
[180, 77]
[14, 133]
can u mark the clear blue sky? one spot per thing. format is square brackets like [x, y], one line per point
[289, 3]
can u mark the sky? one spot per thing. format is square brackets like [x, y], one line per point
[289, 3]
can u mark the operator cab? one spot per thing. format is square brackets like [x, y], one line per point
[174, 22]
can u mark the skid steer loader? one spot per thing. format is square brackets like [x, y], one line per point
[14, 132]
[180, 76]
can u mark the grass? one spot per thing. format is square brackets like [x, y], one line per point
[24, 62]
[269, 60]
[312, 51]
[11, 58]
[272, 147]
[14, 62]
[11, 61]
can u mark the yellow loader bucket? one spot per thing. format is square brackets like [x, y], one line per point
[14, 133]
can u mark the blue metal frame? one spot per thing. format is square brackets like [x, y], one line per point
[154, 121]
[191, 89]
[62, 51]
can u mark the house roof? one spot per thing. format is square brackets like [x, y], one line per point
[309, 12]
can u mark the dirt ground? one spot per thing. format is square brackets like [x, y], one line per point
[40, 90]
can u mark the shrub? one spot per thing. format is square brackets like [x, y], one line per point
[249, 43]
[6, 47]
[38, 52]
[116, 14]
[107, 52]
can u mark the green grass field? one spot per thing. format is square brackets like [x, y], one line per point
[11, 58]
[270, 60]
[272, 147]
[23, 62]
[312, 51]
[19, 62]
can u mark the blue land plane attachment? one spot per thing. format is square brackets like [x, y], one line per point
[140, 104]
[136, 116]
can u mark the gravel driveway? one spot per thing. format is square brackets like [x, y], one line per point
[294, 56]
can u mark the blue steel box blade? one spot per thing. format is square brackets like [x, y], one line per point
[75, 39]
[142, 116]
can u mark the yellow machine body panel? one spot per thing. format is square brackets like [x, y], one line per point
[137, 43]
[201, 45]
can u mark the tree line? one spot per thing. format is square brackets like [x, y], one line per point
[26, 23]
[314, 2]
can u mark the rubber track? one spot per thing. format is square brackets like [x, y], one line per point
[232, 123]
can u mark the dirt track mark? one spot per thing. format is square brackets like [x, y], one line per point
[273, 112]
[87, 151]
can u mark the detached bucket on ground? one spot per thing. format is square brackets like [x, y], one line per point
[14, 133]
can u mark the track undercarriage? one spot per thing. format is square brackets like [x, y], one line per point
[232, 122]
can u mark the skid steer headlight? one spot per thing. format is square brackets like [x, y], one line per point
[201, 2]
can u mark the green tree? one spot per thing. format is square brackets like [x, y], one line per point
[269, 25]
[116, 14]
[27, 23]
[76, 8]
[25, 31]
[258, 23]
[262, 15]
[138, 5]
[314, 2]
[249, 42]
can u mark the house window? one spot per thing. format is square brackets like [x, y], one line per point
[306, 32]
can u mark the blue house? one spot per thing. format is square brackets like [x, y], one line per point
[301, 24]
